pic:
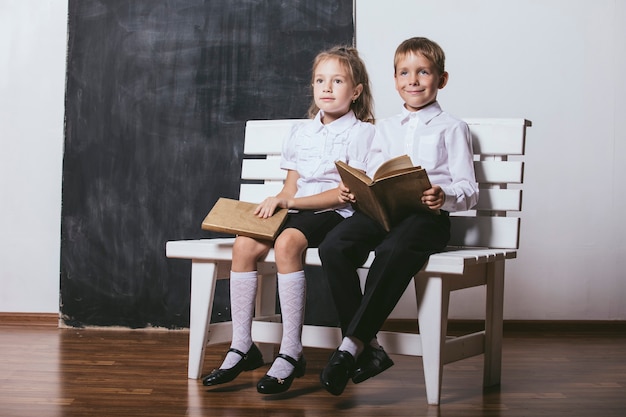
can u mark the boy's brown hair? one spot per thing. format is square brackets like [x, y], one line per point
[425, 47]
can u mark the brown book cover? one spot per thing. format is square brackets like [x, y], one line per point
[392, 194]
[238, 218]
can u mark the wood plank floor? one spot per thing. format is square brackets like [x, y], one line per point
[50, 372]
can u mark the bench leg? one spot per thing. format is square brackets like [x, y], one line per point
[493, 324]
[203, 278]
[433, 297]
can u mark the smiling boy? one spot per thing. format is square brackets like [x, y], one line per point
[442, 145]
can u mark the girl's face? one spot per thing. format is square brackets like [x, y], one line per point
[418, 81]
[333, 90]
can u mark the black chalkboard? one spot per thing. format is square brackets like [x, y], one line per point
[158, 93]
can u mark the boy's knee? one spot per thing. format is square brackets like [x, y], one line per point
[392, 249]
[327, 249]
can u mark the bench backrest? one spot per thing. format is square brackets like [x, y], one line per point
[498, 147]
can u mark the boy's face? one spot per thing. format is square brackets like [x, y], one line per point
[418, 81]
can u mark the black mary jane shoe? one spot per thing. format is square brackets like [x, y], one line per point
[370, 363]
[272, 385]
[338, 371]
[249, 361]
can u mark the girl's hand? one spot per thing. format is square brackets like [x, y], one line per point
[345, 196]
[268, 206]
[434, 197]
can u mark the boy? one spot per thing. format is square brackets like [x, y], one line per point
[442, 145]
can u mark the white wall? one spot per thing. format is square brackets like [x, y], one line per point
[558, 63]
[555, 62]
[32, 83]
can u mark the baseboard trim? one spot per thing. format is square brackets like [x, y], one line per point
[404, 325]
[29, 319]
[516, 326]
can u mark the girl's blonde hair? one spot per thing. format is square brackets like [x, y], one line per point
[349, 58]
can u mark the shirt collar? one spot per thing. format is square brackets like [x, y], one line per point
[340, 125]
[424, 115]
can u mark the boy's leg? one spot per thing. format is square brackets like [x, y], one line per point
[344, 249]
[402, 253]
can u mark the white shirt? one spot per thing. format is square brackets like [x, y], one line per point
[439, 143]
[311, 149]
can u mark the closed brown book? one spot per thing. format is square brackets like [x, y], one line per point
[238, 218]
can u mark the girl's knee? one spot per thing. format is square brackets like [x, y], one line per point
[290, 242]
[246, 247]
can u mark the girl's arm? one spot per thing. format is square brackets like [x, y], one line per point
[324, 200]
[285, 199]
[281, 200]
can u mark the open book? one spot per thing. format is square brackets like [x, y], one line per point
[238, 218]
[393, 193]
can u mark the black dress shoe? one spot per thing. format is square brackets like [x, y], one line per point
[370, 363]
[337, 373]
[272, 385]
[251, 360]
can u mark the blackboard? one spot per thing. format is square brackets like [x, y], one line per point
[157, 96]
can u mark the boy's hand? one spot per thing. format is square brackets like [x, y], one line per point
[345, 196]
[434, 197]
[268, 206]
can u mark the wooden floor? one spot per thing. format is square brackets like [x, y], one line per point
[46, 372]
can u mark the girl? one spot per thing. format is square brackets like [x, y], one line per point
[339, 129]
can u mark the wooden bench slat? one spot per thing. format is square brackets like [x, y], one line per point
[451, 261]
[492, 232]
[490, 136]
[255, 193]
[265, 137]
[499, 172]
[492, 172]
[490, 199]
[498, 136]
[499, 200]
[261, 169]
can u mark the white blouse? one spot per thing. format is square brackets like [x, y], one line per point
[311, 148]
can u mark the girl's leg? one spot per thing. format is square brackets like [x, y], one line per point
[243, 287]
[292, 293]
[289, 248]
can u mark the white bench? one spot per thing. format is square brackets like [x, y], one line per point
[482, 239]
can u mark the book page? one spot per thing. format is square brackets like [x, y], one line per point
[402, 162]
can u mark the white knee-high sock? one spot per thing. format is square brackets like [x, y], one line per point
[292, 294]
[243, 287]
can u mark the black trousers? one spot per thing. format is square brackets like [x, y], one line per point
[400, 254]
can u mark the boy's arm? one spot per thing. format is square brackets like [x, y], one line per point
[434, 197]
[462, 193]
